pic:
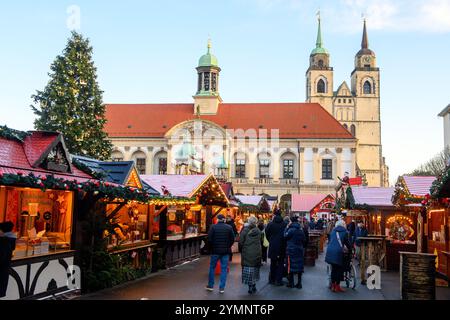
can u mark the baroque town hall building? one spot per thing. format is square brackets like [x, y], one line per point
[263, 148]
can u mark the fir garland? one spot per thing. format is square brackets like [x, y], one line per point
[439, 184]
[12, 134]
[108, 190]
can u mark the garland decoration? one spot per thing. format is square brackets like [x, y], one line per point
[109, 191]
[12, 134]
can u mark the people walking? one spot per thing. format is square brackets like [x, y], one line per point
[7, 247]
[361, 231]
[296, 240]
[264, 241]
[275, 235]
[338, 247]
[251, 254]
[220, 239]
[351, 228]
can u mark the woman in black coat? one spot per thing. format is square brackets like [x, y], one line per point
[295, 238]
[277, 248]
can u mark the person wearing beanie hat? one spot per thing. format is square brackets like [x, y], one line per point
[220, 239]
[277, 248]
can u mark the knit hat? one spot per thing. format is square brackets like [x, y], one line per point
[220, 217]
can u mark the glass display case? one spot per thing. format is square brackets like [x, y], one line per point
[42, 220]
[183, 222]
[130, 225]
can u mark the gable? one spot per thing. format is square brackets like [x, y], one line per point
[344, 90]
[48, 151]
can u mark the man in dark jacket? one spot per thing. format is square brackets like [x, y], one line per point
[277, 248]
[220, 239]
[7, 247]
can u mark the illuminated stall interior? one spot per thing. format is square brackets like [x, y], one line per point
[257, 206]
[313, 205]
[437, 232]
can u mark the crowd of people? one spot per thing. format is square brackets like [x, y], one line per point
[284, 242]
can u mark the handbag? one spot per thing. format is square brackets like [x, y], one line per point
[344, 248]
[265, 241]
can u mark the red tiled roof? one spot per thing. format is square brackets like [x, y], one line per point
[294, 120]
[36, 144]
[17, 157]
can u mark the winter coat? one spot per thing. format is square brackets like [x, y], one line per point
[360, 232]
[275, 235]
[250, 241]
[296, 240]
[233, 226]
[220, 238]
[7, 247]
[335, 254]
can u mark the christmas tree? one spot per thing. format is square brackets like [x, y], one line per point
[71, 103]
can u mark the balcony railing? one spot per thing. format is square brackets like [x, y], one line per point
[292, 181]
[264, 180]
[239, 180]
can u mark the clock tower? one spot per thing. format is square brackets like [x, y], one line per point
[207, 98]
[365, 88]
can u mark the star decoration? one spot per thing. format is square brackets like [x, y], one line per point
[60, 199]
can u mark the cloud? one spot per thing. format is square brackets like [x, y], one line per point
[387, 15]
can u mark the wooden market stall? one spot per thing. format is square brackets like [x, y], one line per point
[257, 206]
[394, 226]
[132, 225]
[180, 229]
[317, 206]
[437, 230]
[38, 193]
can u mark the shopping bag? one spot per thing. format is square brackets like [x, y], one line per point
[219, 269]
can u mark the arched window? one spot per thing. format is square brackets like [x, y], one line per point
[367, 87]
[321, 86]
[353, 130]
[320, 63]
[346, 126]
[117, 156]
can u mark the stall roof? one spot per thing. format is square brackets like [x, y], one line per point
[29, 155]
[177, 185]
[250, 200]
[116, 171]
[306, 202]
[373, 196]
[418, 186]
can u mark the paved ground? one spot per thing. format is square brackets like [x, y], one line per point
[188, 282]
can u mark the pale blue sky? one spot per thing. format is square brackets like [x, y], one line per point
[146, 52]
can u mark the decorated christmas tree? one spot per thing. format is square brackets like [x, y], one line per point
[71, 103]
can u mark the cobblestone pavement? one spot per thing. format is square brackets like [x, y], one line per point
[188, 281]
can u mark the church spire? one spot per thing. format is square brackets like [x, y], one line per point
[365, 39]
[319, 42]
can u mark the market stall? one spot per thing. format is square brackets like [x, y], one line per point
[316, 206]
[38, 193]
[180, 229]
[257, 206]
[437, 231]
